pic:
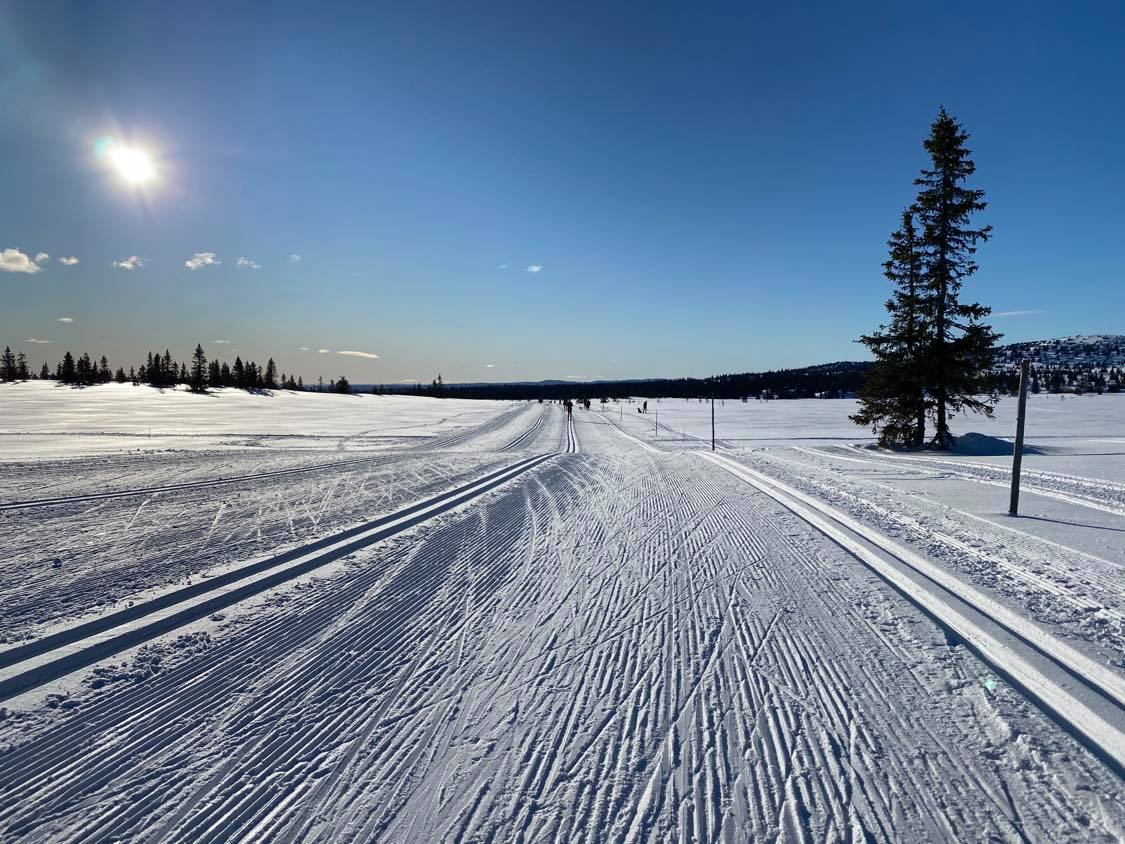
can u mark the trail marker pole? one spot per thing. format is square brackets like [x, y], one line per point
[1017, 451]
[656, 426]
[712, 420]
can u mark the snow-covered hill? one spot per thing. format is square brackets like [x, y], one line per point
[1082, 351]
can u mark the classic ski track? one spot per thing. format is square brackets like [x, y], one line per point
[461, 437]
[96, 640]
[528, 668]
[627, 435]
[495, 423]
[1048, 567]
[1103, 734]
[114, 553]
[526, 435]
[991, 468]
[939, 467]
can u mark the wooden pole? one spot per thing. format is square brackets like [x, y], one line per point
[1017, 451]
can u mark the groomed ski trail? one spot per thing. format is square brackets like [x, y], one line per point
[1095, 718]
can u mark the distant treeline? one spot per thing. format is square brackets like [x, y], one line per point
[1063, 379]
[158, 370]
[829, 380]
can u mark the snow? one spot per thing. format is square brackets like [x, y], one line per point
[121, 417]
[323, 617]
[1052, 420]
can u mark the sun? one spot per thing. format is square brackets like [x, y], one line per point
[134, 164]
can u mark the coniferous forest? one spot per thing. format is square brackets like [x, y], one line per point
[156, 370]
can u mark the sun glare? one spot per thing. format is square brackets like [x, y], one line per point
[133, 164]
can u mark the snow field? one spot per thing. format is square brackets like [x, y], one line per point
[622, 642]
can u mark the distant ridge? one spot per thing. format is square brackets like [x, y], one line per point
[1083, 351]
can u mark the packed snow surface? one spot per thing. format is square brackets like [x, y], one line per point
[356, 618]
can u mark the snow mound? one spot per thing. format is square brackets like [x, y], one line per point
[982, 445]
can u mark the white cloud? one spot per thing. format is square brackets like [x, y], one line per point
[577, 378]
[201, 259]
[130, 263]
[70, 262]
[65, 319]
[303, 348]
[14, 261]
[221, 342]
[42, 257]
[534, 268]
[502, 267]
[323, 351]
[37, 340]
[294, 258]
[409, 381]
[1001, 314]
[489, 366]
[352, 354]
[246, 262]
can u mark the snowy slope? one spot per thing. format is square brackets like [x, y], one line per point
[1087, 350]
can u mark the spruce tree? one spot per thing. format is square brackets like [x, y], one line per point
[198, 378]
[893, 397]
[7, 365]
[269, 380]
[45, 372]
[68, 374]
[959, 345]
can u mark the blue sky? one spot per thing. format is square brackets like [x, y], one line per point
[706, 188]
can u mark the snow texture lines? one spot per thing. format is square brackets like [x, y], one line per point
[612, 647]
[1035, 660]
[35, 663]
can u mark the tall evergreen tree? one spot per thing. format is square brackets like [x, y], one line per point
[198, 376]
[959, 345]
[45, 372]
[269, 380]
[893, 398]
[68, 372]
[7, 365]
